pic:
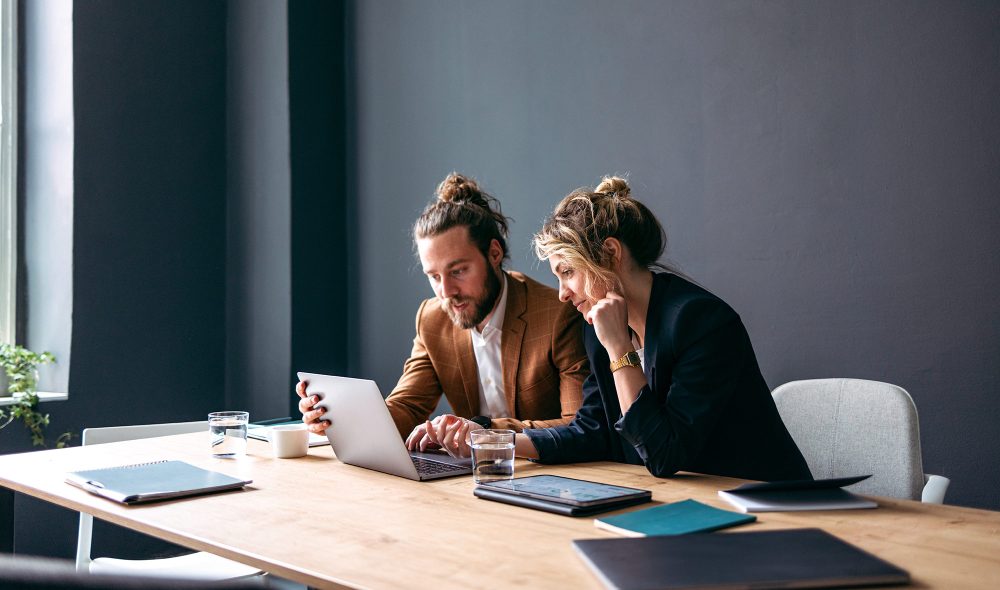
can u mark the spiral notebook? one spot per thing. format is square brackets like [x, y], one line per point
[149, 482]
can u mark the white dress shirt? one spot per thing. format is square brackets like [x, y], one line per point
[486, 346]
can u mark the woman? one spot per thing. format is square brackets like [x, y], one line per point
[674, 383]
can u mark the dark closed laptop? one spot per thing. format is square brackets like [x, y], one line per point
[799, 558]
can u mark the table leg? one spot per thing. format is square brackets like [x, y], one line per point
[6, 520]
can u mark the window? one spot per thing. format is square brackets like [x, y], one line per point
[8, 169]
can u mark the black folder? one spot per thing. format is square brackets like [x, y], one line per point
[799, 558]
[149, 482]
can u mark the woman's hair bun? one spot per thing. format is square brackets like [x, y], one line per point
[457, 188]
[614, 185]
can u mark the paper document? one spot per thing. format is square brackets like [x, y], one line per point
[263, 432]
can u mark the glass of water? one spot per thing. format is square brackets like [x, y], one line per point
[492, 454]
[227, 433]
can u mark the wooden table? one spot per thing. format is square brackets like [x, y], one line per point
[323, 523]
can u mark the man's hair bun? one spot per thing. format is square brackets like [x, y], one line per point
[461, 202]
[456, 188]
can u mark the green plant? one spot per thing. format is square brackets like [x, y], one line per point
[21, 366]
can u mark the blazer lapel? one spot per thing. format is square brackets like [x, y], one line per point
[510, 339]
[467, 365]
[649, 348]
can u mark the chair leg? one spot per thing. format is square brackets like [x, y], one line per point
[83, 542]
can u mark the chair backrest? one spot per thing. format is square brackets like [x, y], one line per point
[855, 427]
[28, 572]
[110, 434]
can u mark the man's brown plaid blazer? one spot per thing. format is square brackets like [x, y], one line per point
[544, 363]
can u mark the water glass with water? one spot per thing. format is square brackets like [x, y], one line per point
[492, 454]
[227, 432]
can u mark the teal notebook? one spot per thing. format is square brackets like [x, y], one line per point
[688, 516]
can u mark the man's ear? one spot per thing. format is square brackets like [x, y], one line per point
[495, 253]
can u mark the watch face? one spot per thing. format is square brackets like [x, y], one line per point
[630, 359]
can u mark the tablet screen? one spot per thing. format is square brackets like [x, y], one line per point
[555, 488]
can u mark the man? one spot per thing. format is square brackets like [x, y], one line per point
[501, 347]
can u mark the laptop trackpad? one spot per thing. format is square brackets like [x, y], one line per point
[442, 457]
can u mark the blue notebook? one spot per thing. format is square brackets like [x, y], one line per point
[678, 518]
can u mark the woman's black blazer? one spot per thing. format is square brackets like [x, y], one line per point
[706, 407]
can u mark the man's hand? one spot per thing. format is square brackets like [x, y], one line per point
[418, 439]
[447, 431]
[310, 415]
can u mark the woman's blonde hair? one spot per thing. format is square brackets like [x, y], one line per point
[585, 218]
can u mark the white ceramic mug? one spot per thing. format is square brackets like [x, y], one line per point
[289, 441]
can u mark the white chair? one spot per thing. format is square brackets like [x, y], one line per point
[198, 565]
[30, 572]
[855, 427]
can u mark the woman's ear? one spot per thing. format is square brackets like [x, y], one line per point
[615, 250]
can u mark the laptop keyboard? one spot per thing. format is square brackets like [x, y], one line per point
[425, 467]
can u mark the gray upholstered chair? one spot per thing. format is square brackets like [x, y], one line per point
[854, 427]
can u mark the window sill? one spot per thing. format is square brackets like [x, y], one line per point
[43, 396]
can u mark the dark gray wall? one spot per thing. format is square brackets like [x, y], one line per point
[149, 234]
[288, 221]
[830, 169]
[258, 273]
[323, 247]
[150, 181]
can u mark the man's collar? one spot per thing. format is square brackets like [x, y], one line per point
[496, 318]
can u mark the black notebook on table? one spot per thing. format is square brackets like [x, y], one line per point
[149, 482]
[800, 558]
[562, 495]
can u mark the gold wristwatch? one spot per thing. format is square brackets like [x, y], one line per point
[629, 359]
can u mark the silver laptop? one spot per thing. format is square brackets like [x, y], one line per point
[362, 432]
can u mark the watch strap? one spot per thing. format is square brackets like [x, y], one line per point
[484, 421]
[629, 359]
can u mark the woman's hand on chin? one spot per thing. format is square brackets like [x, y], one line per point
[609, 316]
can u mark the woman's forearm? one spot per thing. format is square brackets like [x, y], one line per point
[524, 448]
[629, 381]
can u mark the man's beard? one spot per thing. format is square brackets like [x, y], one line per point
[480, 308]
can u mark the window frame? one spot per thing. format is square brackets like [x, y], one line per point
[8, 170]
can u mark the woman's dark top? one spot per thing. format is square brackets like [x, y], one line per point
[706, 407]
